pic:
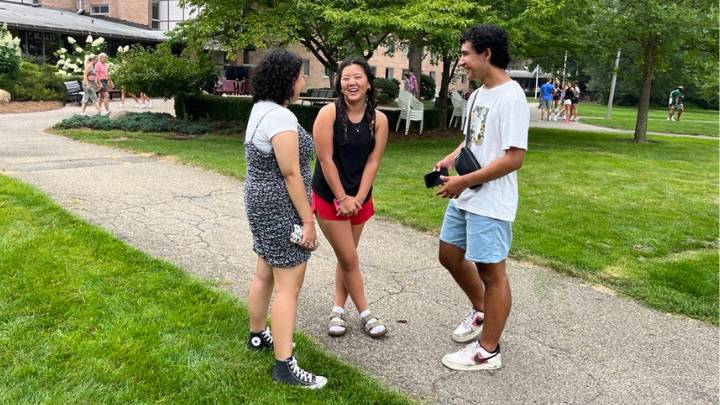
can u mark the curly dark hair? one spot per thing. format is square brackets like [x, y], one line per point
[274, 76]
[485, 36]
[341, 105]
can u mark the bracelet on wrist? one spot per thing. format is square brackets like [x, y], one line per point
[345, 197]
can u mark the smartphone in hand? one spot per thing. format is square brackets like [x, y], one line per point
[432, 179]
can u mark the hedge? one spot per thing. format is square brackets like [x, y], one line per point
[136, 122]
[237, 109]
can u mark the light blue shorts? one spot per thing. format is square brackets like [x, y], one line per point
[484, 239]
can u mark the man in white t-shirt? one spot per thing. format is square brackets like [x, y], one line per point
[477, 228]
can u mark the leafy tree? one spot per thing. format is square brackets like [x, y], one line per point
[160, 73]
[331, 30]
[658, 39]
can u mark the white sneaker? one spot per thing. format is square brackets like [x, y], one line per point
[141, 106]
[667, 119]
[149, 104]
[470, 327]
[473, 357]
[106, 113]
[122, 105]
[673, 119]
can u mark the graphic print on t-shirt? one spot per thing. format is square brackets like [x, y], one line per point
[478, 117]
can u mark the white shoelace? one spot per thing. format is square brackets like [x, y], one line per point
[268, 337]
[469, 317]
[299, 372]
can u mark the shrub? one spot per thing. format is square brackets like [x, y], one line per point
[136, 122]
[33, 83]
[10, 54]
[388, 90]
[427, 87]
[233, 109]
[216, 108]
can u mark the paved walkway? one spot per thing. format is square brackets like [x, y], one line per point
[566, 341]
[580, 126]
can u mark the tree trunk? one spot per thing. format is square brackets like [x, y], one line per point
[415, 54]
[649, 49]
[443, 96]
[331, 79]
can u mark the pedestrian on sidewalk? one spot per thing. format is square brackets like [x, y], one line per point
[546, 98]
[476, 231]
[90, 85]
[675, 103]
[102, 69]
[568, 102]
[350, 137]
[277, 200]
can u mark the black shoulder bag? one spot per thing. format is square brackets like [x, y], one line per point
[465, 161]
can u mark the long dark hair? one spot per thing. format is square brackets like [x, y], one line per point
[273, 78]
[341, 105]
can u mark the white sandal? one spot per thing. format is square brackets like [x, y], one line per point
[338, 324]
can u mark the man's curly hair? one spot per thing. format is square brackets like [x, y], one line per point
[485, 36]
[274, 76]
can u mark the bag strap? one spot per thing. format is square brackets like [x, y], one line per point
[259, 121]
[467, 121]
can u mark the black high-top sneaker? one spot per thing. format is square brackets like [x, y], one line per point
[288, 372]
[260, 340]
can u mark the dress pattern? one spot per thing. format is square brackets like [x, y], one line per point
[269, 209]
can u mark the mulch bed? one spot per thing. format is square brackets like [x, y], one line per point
[29, 106]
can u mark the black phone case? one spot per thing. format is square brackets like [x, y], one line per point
[432, 179]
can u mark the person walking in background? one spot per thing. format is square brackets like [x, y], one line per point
[476, 231]
[410, 82]
[143, 102]
[350, 137]
[278, 152]
[546, 98]
[557, 105]
[103, 74]
[675, 103]
[90, 85]
[574, 101]
[567, 101]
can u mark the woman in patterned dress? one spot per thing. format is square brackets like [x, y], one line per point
[277, 199]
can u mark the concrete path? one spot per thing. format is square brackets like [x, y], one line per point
[565, 342]
[580, 126]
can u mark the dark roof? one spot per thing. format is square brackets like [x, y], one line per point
[26, 17]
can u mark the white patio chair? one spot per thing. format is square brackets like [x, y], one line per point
[459, 106]
[411, 109]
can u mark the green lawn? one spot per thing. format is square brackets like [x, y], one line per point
[641, 219]
[694, 121]
[84, 318]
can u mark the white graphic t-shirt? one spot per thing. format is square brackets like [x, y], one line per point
[498, 120]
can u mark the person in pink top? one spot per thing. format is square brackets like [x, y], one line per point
[106, 84]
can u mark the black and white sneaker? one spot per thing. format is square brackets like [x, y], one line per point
[260, 340]
[288, 372]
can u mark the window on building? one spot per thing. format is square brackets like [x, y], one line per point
[389, 73]
[306, 67]
[373, 69]
[391, 47]
[100, 9]
[432, 74]
[326, 72]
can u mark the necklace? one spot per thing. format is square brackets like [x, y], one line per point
[356, 126]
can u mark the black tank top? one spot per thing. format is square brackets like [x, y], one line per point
[350, 158]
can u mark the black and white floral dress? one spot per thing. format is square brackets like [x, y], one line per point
[269, 210]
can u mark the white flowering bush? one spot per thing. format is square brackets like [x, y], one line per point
[10, 53]
[71, 62]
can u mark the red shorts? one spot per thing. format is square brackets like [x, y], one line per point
[327, 211]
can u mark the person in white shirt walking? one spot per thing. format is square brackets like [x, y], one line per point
[477, 228]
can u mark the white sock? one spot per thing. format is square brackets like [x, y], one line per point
[376, 329]
[337, 329]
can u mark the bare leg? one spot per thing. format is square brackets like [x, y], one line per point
[464, 272]
[259, 295]
[288, 282]
[342, 239]
[341, 292]
[498, 301]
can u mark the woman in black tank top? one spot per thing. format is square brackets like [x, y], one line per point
[350, 137]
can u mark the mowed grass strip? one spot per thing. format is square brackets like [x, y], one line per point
[641, 219]
[84, 318]
[694, 121]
